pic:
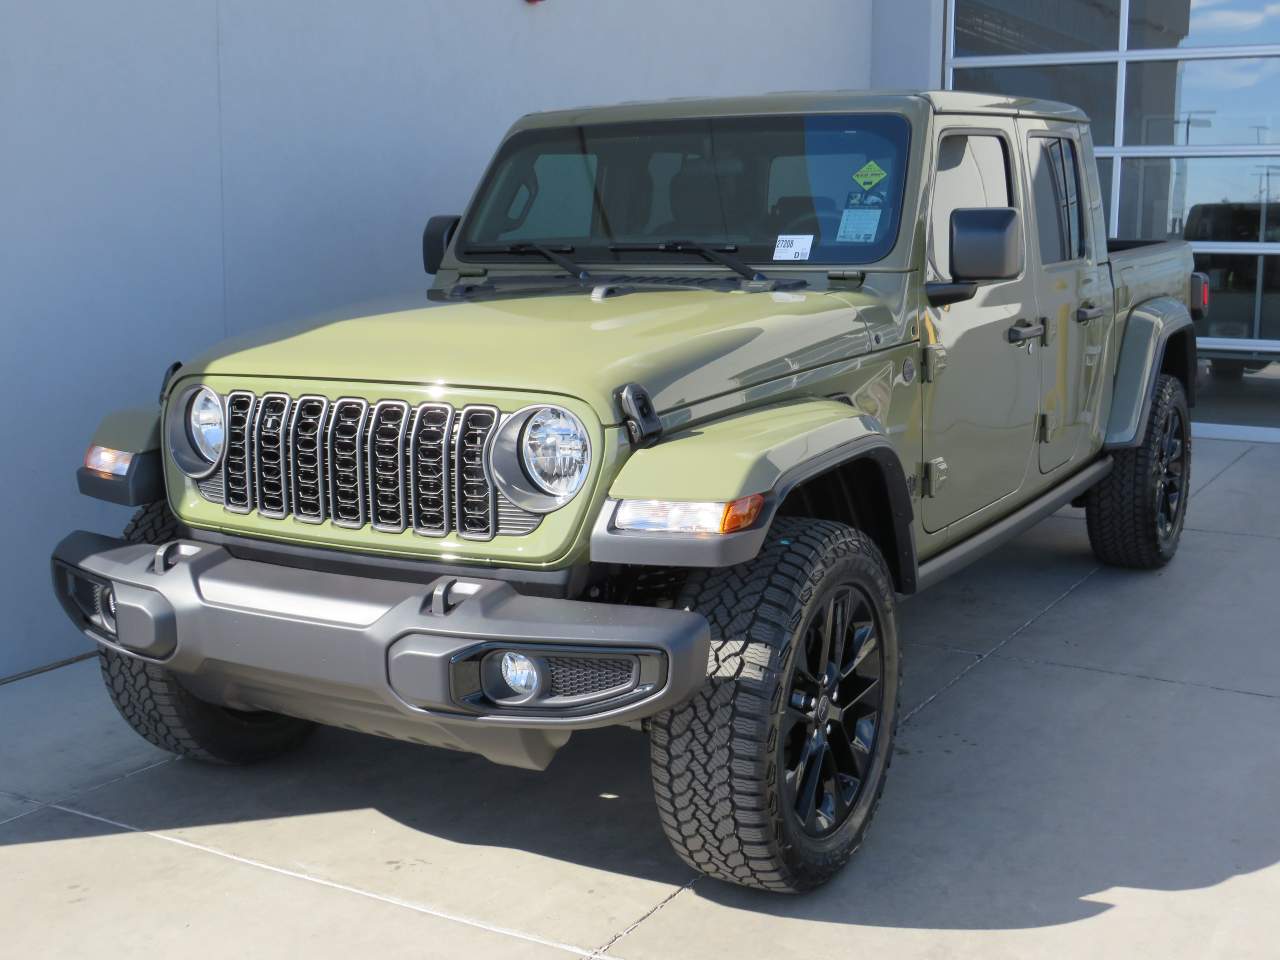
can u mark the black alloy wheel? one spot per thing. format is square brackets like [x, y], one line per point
[832, 715]
[1169, 467]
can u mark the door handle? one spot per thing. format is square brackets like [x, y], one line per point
[1088, 312]
[1023, 330]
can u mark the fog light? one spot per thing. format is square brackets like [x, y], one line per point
[520, 674]
[105, 601]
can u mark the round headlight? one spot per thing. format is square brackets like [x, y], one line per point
[205, 424]
[556, 451]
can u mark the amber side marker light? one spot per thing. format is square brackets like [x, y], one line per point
[741, 513]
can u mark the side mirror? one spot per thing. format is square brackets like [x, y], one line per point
[986, 244]
[435, 241]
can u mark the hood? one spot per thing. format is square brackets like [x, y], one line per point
[681, 345]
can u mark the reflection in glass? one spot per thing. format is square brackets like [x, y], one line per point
[1235, 309]
[1104, 182]
[1003, 27]
[1206, 199]
[1090, 86]
[1163, 24]
[1200, 102]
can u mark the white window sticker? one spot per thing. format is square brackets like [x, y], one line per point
[793, 246]
[858, 225]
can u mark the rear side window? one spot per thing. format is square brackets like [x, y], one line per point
[973, 171]
[1055, 186]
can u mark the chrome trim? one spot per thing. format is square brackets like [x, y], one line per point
[459, 472]
[362, 490]
[373, 458]
[322, 459]
[507, 466]
[282, 433]
[446, 470]
[227, 485]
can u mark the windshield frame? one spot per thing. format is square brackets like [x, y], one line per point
[903, 212]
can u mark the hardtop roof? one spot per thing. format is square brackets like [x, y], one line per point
[802, 102]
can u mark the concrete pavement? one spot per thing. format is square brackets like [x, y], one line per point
[1090, 766]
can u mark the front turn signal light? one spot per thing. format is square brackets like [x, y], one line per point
[109, 462]
[689, 516]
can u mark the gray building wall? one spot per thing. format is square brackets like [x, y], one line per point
[171, 173]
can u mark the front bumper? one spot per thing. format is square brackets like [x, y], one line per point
[412, 661]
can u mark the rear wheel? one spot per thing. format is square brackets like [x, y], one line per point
[161, 710]
[770, 775]
[1135, 516]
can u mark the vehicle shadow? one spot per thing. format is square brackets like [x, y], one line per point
[980, 828]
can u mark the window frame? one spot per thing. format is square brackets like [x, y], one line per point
[1083, 249]
[1012, 181]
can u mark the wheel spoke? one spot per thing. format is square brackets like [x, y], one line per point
[849, 760]
[840, 630]
[864, 643]
[808, 777]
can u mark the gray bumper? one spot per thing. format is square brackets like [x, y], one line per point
[403, 660]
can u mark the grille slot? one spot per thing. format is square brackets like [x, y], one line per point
[584, 676]
[429, 446]
[347, 499]
[474, 489]
[387, 506]
[389, 465]
[237, 479]
[307, 459]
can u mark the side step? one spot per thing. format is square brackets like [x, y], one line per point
[980, 544]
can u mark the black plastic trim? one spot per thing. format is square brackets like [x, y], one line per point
[142, 483]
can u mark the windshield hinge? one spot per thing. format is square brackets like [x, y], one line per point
[641, 420]
[852, 278]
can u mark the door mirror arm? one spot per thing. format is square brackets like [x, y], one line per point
[942, 293]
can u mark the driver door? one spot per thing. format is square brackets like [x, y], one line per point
[981, 398]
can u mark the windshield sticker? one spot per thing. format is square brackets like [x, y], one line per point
[870, 174]
[793, 246]
[858, 225]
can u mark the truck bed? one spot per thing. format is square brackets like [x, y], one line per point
[1144, 269]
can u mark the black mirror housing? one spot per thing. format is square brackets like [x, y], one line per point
[435, 241]
[986, 244]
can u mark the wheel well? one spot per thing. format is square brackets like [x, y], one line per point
[1179, 360]
[856, 493]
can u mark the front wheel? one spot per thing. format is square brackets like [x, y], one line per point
[159, 708]
[769, 776]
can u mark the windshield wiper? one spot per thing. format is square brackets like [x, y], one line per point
[555, 255]
[721, 257]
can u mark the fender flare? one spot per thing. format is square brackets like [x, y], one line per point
[1147, 333]
[769, 450]
[135, 431]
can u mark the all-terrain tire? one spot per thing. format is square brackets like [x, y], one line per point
[1127, 527]
[718, 761]
[161, 710]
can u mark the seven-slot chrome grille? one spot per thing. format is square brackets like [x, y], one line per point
[389, 465]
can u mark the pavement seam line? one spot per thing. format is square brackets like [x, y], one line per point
[1233, 533]
[1205, 486]
[999, 646]
[601, 951]
[1035, 661]
[114, 780]
[19, 816]
[332, 884]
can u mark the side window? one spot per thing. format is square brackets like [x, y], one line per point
[973, 171]
[1055, 185]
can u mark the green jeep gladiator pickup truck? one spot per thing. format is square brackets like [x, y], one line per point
[703, 388]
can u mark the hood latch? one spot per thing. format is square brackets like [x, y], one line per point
[643, 426]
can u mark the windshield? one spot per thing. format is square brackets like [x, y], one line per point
[772, 189]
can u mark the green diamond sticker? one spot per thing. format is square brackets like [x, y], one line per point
[869, 175]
